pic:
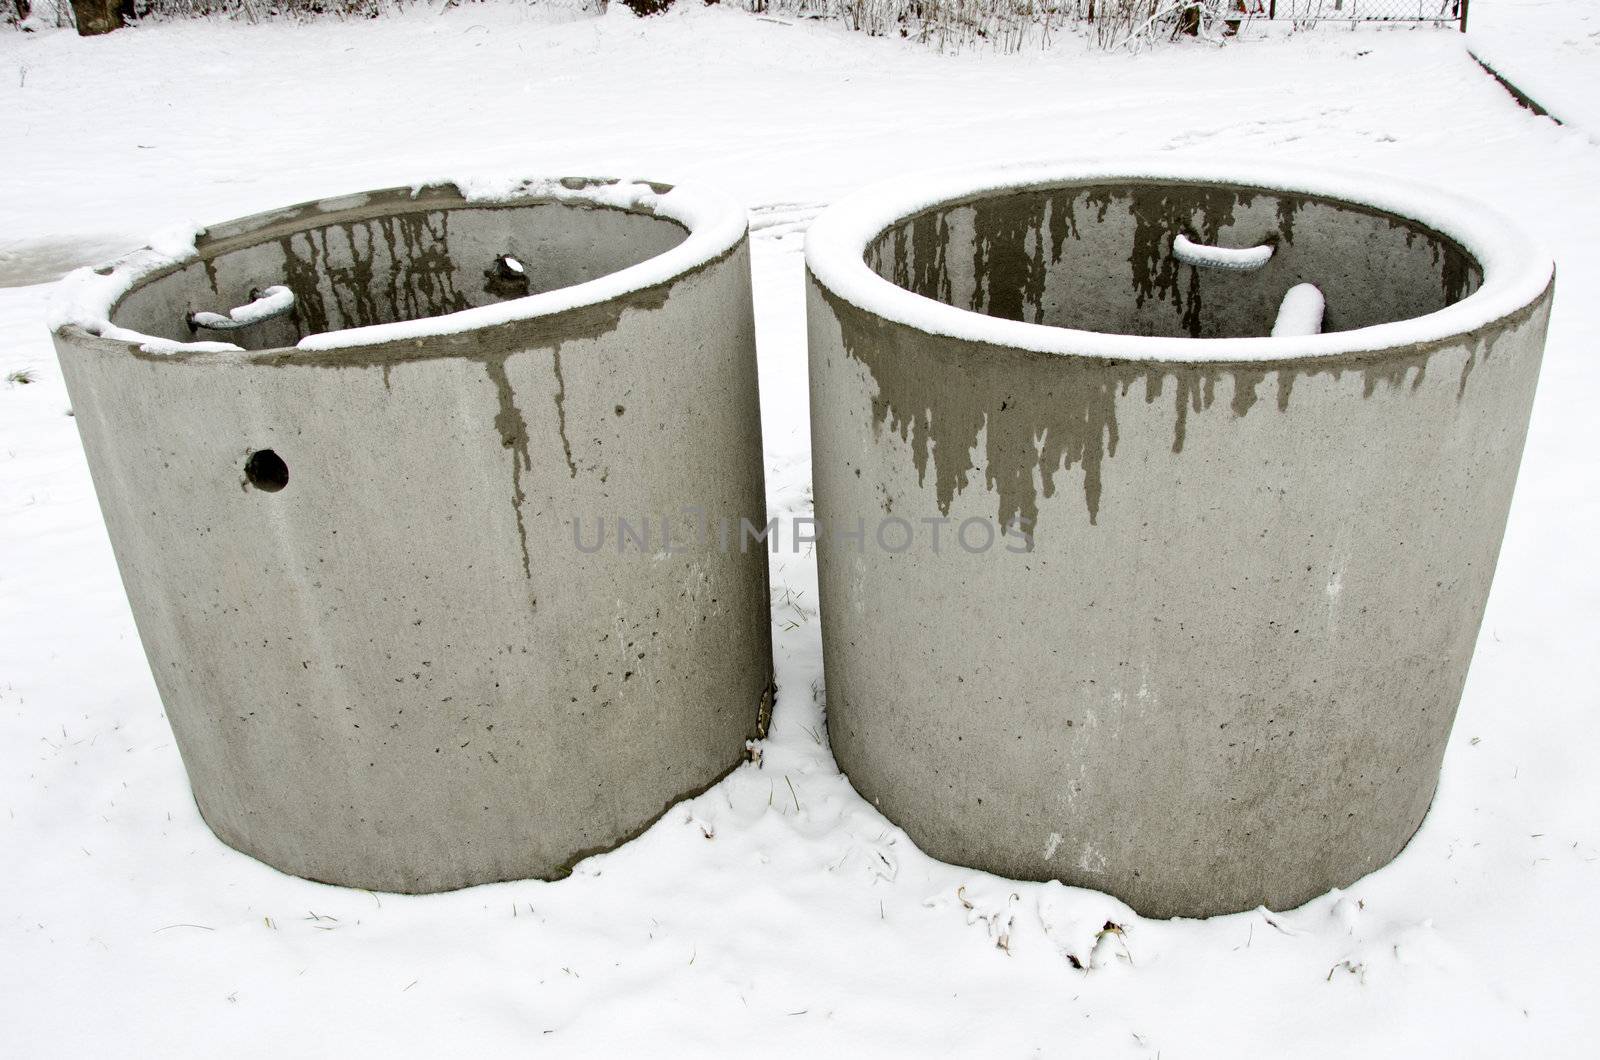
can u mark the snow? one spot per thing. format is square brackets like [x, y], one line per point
[1515, 270]
[151, 344]
[1300, 312]
[268, 303]
[778, 914]
[1549, 49]
[85, 295]
[1235, 259]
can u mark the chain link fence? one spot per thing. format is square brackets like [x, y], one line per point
[1308, 12]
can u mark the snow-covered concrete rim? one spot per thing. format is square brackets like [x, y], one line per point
[86, 298]
[1515, 270]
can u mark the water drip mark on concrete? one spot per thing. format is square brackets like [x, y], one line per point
[1035, 415]
[1040, 414]
[1245, 382]
[514, 436]
[561, 410]
[211, 275]
[490, 348]
[419, 280]
[376, 271]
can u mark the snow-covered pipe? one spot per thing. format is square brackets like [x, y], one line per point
[265, 304]
[1300, 312]
[1234, 259]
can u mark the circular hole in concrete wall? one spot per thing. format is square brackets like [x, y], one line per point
[265, 470]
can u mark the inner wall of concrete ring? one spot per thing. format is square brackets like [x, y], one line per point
[1225, 673]
[399, 672]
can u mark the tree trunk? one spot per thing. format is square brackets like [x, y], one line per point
[97, 16]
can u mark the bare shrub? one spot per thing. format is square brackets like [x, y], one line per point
[946, 25]
[1012, 25]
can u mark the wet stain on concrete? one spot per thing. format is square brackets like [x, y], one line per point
[389, 268]
[1016, 256]
[211, 275]
[561, 410]
[398, 267]
[491, 347]
[1042, 414]
[514, 436]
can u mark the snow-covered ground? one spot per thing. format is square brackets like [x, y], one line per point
[778, 913]
[1549, 49]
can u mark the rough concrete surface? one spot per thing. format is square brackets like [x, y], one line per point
[386, 660]
[1224, 672]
